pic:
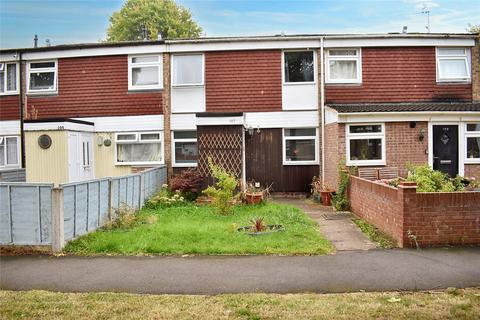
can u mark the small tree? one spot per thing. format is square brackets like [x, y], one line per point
[153, 17]
[224, 191]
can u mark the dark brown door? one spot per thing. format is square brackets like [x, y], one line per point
[445, 149]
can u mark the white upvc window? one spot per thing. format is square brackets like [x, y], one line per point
[9, 78]
[139, 148]
[453, 64]
[185, 148]
[299, 67]
[472, 142]
[145, 72]
[365, 144]
[9, 151]
[300, 146]
[343, 66]
[188, 70]
[42, 77]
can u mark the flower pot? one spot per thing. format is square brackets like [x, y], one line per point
[254, 197]
[326, 197]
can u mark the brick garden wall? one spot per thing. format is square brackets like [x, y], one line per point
[447, 218]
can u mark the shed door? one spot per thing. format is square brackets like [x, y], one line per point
[80, 156]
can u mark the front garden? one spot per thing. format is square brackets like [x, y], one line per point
[171, 223]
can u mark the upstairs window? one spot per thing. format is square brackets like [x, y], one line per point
[187, 70]
[9, 151]
[299, 66]
[185, 148]
[42, 76]
[472, 141]
[453, 64]
[139, 148]
[343, 66]
[365, 144]
[300, 146]
[8, 78]
[145, 72]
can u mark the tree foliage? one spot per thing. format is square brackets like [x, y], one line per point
[162, 17]
[473, 28]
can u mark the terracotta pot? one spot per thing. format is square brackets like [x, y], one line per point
[326, 197]
[254, 197]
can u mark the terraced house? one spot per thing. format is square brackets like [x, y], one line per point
[278, 110]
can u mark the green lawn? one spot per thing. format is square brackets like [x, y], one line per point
[192, 229]
[459, 304]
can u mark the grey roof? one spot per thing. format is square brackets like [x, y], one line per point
[406, 107]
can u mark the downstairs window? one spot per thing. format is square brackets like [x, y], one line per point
[300, 146]
[9, 151]
[472, 142]
[139, 148]
[185, 151]
[365, 144]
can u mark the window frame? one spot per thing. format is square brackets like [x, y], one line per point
[303, 82]
[6, 165]
[470, 134]
[172, 70]
[284, 147]
[357, 58]
[158, 64]
[174, 160]
[466, 57]
[139, 141]
[17, 78]
[365, 136]
[43, 70]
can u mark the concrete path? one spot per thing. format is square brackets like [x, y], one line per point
[374, 270]
[335, 226]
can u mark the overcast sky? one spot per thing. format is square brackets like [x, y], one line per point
[75, 21]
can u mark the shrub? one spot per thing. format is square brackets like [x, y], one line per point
[165, 198]
[429, 180]
[187, 182]
[340, 200]
[224, 192]
[125, 218]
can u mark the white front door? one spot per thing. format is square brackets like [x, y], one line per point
[80, 156]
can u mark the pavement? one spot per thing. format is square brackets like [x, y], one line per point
[346, 271]
[335, 226]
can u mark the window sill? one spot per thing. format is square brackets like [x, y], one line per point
[187, 86]
[137, 164]
[450, 82]
[42, 93]
[313, 83]
[300, 163]
[471, 161]
[366, 163]
[346, 84]
[185, 165]
[131, 90]
[9, 94]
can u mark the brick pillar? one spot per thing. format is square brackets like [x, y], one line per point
[167, 136]
[407, 199]
[476, 70]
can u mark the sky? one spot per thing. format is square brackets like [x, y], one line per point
[81, 21]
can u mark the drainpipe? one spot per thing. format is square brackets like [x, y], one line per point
[244, 166]
[20, 104]
[322, 104]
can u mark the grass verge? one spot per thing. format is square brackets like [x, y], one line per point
[458, 304]
[374, 234]
[191, 229]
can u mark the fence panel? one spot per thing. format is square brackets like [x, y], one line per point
[25, 213]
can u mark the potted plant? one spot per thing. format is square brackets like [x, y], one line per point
[253, 194]
[326, 194]
[316, 189]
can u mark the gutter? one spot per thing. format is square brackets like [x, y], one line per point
[322, 104]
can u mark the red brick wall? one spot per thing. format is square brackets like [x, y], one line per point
[9, 108]
[403, 145]
[472, 171]
[334, 152]
[398, 75]
[446, 218]
[94, 86]
[243, 81]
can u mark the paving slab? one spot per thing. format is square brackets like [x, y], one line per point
[337, 227]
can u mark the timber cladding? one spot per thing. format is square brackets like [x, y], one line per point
[398, 75]
[94, 86]
[243, 80]
[9, 108]
[264, 163]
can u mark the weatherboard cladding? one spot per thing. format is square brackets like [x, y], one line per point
[9, 109]
[400, 74]
[407, 107]
[243, 81]
[95, 86]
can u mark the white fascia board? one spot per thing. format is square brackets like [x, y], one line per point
[399, 42]
[58, 125]
[331, 115]
[127, 123]
[8, 57]
[183, 121]
[407, 116]
[244, 45]
[102, 51]
[220, 121]
[10, 127]
[282, 119]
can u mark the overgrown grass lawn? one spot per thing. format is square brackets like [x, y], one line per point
[192, 229]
